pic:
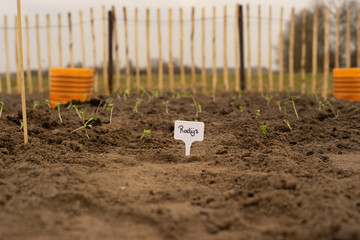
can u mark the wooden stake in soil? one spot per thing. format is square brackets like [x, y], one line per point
[117, 58]
[71, 42]
[193, 73]
[249, 77]
[105, 73]
[110, 50]
[128, 83]
[59, 40]
[260, 79]
[16, 29]
[96, 75]
[22, 84]
[138, 86]
[326, 53]
[226, 73]
[203, 70]
[236, 50]
[48, 43]
[8, 81]
[171, 66]
[28, 63]
[182, 70]
[82, 39]
[314, 53]
[149, 78]
[337, 38]
[271, 81]
[160, 69]
[214, 78]
[358, 40]
[281, 56]
[303, 53]
[291, 51]
[40, 80]
[241, 44]
[348, 55]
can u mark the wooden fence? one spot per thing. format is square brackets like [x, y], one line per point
[134, 82]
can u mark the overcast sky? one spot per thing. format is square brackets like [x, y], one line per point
[53, 7]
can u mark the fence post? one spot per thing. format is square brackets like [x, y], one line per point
[117, 58]
[303, 53]
[214, 77]
[236, 49]
[226, 73]
[326, 53]
[260, 80]
[127, 71]
[105, 73]
[314, 53]
[8, 81]
[203, 70]
[160, 69]
[358, 40]
[48, 43]
[271, 81]
[40, 80]
[59, 40]
[110, 47]
[16, 29]
[281, 57]
[249, 70]
[291, 51]
[138, 86]
[193, 73]
[171, 66]
[348, 54]
[149, 79]
[182, 70]
[71, 42]
[28, 63]
[82, 39]
[96, 75]
[337, 38]
[241, 42]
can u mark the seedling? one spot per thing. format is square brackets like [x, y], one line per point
[21, 126]
[257, 113]
[109, 100]
[286, 120]
[293, 104]
[264, 129]
[58, 107]
[143, 91]
[241, 109]
[155, 93]
[110, 108]
[145, 132]
[197, 106]
[2, 105]
[77, 111]
[86, 124]
[268, 99]
[166, 106]
[46, 102]
[138, 101]
[70, 105]
[337, 113]
[279, 105]
[126, 93]
[36, 103]
[232, 104]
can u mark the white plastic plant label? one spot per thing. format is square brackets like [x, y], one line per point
[189, 132]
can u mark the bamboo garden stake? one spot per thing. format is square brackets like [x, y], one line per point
[214, 77]
[8, 81]
[182, 70]
[337, 38]
[16, 29]
[226, 72]
[249, 73]
[40, 80]
[105, 74]
[303, 53]
[193, 73]
[82, 39]
[28, 63]
[160, 73]
[326, 54]
[348, 57]
[291, 51]
[48, 43]
[203, 70]
[314, 53]
[117, 58]
[171, 65]
[149, 77]
[59, 40]
[281, 58]
[271, 81]
[138, 86]
[128, 83]
[358, 40]
[22, 84]
[236, 49]
[96, 75]
[260, 79]
[71, 48]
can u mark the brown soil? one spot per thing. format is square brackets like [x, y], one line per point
[237, 184]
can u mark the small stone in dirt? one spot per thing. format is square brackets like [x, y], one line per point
[4, 151]
[49, 192]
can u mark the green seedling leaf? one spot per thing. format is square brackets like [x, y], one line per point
[110, 108]
[241, 109]
[46, 102]
[293, 104]
[263, 129]
[145, 132]
[2, 105]
[268, 99]
[70, 105]
[138, 101]
[257, 113]
[337, 113]
[279, 105]
[232, 104]
[86, 124]
[36, 103]
[286, 120]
